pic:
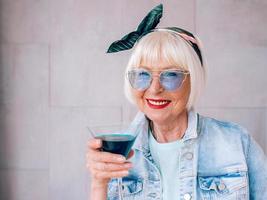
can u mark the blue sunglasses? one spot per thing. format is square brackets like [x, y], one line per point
[170, 79]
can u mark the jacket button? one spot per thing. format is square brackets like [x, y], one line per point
[187, 196]
[189, 155]
[221, 186]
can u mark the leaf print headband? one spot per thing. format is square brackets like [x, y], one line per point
[147, 25]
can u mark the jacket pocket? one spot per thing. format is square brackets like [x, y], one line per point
[230, 186]
[130, 187]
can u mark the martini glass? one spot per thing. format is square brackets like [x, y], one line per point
[117, 139]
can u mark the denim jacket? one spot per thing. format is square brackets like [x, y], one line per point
[219, 160]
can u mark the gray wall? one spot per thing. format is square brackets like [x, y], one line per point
[52, 52]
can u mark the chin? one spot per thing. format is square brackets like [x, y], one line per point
[158, 118]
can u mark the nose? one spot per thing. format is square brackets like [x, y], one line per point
[155, 86]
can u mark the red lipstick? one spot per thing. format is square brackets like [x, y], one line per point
[158, 103]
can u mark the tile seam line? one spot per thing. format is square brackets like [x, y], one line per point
[230, 107]
[24, 43]
[194, 16]
[24, 169]
[93, 106]
[119, 107]
[49, 76]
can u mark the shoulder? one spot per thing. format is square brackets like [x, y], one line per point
[223, 137]
[223, 146]
[221, 128]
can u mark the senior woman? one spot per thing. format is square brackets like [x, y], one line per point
[181, 154]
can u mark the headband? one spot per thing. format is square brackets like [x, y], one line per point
[147, 25]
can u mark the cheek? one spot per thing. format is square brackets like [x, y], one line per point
[181, 97]
[139, 98]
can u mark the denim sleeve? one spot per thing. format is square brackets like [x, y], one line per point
[257, 171]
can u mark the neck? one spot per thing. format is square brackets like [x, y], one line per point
[171, 131]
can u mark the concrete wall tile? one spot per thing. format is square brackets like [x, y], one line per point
[238, 81]
[129, 111]
[182, 16]
[68, 139]
[25, 79]
[24, 21]
[6, 69]
[235, 47]
[80, 78]
[78, 51]
[86, 21]
[24, 134]
[24, 106]
[231, 23]
[24, 184]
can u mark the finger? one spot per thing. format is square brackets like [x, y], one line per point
[109, 167]
[105, 175]
[101, 156]
[104, 166]
[130, 154]
[94, 143]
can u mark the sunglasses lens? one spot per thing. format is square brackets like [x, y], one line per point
[171, 80]
[139, 79]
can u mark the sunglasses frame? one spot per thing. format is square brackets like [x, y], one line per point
[184, 72]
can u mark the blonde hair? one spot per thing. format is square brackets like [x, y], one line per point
[168, 45]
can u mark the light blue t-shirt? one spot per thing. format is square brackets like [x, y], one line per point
[166, 157]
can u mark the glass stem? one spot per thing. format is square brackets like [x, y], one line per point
[120, 188]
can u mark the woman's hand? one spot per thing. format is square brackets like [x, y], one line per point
[104, 165]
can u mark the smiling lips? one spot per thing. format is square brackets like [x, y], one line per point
[158, 103]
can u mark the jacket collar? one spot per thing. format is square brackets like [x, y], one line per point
[141, 142]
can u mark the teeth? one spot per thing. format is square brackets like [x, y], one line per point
[158, 103]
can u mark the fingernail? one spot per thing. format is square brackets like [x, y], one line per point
[98, 142]
[121, 159]
[128, 165]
